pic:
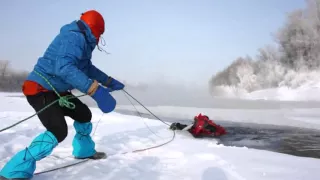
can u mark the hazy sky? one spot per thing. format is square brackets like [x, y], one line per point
[149, 40]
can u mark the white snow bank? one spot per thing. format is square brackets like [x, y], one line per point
[287, 94]
[285, 115]
[185, 158]
[301, 87]
[291, 86]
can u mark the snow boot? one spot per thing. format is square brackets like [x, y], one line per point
[99, 155]
[177, 126]
[23, 164]
[173, 126]
[96, 156]
[83, 145]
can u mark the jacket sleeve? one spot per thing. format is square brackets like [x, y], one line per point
[197, 128]
[97, 74]
[70, 51]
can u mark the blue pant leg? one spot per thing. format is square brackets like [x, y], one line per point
[83, 145]
[23, 164]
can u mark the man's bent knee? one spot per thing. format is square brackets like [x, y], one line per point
[60, 134]
[86, 116]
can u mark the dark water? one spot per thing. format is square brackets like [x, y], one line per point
[288, 140]
[294, 141]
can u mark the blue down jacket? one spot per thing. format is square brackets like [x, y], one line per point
[67, 61]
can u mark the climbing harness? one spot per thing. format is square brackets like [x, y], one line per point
[64, 102]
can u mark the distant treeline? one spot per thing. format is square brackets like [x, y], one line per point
[10, 79]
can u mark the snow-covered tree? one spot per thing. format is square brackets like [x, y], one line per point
[297, 51]
[299, 38]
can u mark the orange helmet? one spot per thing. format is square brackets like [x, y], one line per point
[95, 21]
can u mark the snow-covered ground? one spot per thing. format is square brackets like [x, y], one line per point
[184, 158]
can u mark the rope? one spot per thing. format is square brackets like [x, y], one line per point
[141, 116]
[63, 102]
[85, 160]
[93, 134]
[62, 167]
[134, 151]
[146, 108]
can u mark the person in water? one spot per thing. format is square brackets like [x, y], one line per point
[201, 127]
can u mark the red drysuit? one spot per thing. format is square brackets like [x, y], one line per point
[203, 126]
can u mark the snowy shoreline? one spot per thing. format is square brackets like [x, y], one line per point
[120, 133]
[294, 114]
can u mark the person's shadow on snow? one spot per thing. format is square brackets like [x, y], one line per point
[214, 173]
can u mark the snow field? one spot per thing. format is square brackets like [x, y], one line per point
[185, 158]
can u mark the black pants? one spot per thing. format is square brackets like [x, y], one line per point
[53, 118]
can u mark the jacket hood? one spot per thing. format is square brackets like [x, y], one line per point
[73, 26]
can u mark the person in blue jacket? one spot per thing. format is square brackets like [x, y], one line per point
[65, 65]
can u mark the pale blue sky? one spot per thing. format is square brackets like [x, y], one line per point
[163, 40]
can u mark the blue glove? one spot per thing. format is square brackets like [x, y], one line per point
[115, 85]
[104, 100]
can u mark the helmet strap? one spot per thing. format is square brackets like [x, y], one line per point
[103, 43]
